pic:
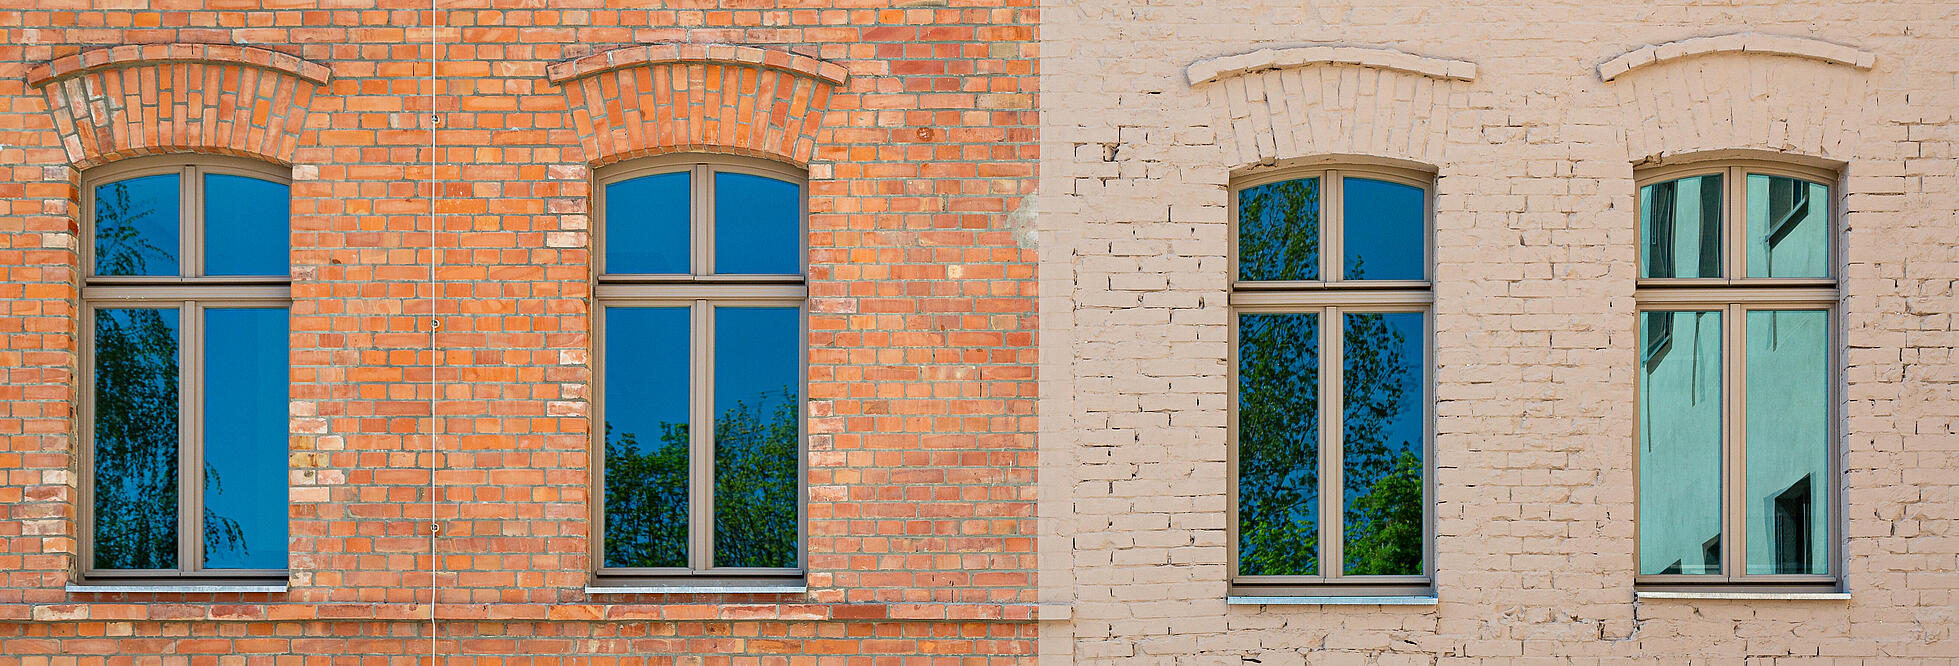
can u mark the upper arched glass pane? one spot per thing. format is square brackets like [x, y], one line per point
[1680, 228]
[646, 224]
[757, 225]
[137, 230]
[1381, 230]
[1788, 227]
[1279, 231]
[247, 225]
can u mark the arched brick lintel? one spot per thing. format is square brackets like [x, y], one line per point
[106, 110]
[141, 54]
[1740, 42]
[663, 98]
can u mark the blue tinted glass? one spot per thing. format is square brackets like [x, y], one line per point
[757, 435]
[1788, 228]
[1788, 421]
[1383, 230]
[646, 225]
[245, 455]
[646, 436]
[135, 438]
[757, 225]
[247, 226]
[1382, 435]
[1278, 444]
[1680, 228]
[136, 226]
[1279, 231]
[1680, 443]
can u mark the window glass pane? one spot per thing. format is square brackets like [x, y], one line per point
[1382, 230]
[136, 226]
[245, 454]
[1278, 444]
[1680, 228]
[1680, 443]
[1279, 231]
[135, 438]
[648, 224]
[757, 225]
[1788, 227]
[1381, 424]
[646, 436]
[1788, 442]
[247, 226]
[757, 435]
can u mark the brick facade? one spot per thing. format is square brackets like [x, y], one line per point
[917, 126]
[1533, 118]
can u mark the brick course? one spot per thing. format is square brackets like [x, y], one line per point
[917, 126]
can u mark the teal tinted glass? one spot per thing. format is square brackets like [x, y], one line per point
[1788, 228]
[757, 435]
[758, 225]
[135, 438]
[1680, 228]
[1278, 444]
[245, 451]
[1680, 443]
[1382, 230]
[1789, 482]
[247, 226]
[1382, 436]
[1279, 231]
[136, 226]
[648, 224]
[647, 398]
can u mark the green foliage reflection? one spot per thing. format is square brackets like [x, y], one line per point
[755, 467]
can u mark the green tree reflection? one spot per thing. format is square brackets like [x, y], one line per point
[755, 469]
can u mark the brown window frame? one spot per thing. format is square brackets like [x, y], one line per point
[701, 291]
[1734, 295]
[1330, 298]
[190, 292]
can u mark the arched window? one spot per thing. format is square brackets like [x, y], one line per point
[185, 298]
[700, 356]
[1330, 410]
[1737, 416]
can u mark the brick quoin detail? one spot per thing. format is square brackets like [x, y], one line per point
[160, 98]
[647, 100]
[1273, 105]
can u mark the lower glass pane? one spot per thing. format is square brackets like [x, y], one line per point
[246, 373]
[757, 435]
[1278, 444]
[1788, 495]
[1381, 424]
[1680, 443]
[135, 438]
[646, 436]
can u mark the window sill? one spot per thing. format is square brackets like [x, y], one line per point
[1331, 601]
[1745, 596]
[176, 589]
[601, 590]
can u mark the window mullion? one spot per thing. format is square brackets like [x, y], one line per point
[1332, 238]
[190, 224]
[1735, 224]
[1735, 459]
[1332, 457]
[703, 219]
[190, 484]
[700, 442]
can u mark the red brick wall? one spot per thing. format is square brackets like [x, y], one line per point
[921, 314]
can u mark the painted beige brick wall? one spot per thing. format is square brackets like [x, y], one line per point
[1536, 251]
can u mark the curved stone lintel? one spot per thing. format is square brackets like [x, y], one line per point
[1740, 42]
[1213, 69]
[129, 54]
[735, 54]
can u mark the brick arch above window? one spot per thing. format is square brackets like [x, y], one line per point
[1768, 93]
[1271, 105]
[132, 100]
[724, 98]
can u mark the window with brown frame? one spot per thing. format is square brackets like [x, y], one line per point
[701, 355]
[185, 452]
[1330, 416]
[1737, 423]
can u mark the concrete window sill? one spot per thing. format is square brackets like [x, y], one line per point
[177, 589]
[1746, 596]
[601, 590]
[1331, 601]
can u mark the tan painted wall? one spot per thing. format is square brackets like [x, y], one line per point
[1536, 251]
